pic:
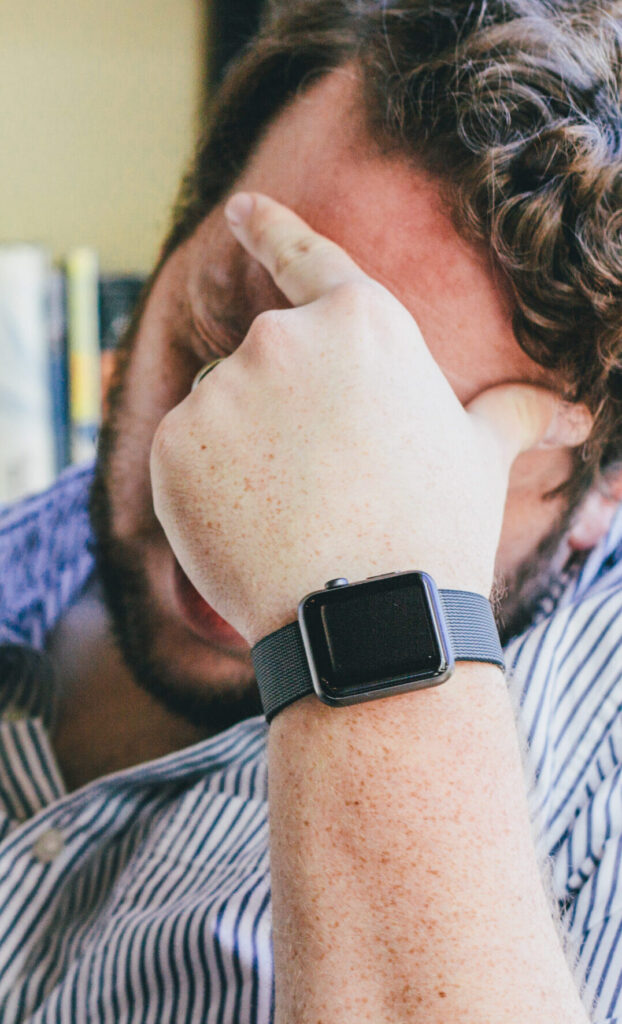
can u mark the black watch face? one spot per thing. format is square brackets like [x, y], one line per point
[380, 635]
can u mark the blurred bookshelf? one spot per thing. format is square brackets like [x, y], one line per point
[59, 329]
[61, 314]
[100, 106]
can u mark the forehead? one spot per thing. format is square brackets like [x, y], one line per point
[389, 215]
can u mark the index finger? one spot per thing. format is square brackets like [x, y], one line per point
[303, 264]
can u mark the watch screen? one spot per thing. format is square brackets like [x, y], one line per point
[375, 633]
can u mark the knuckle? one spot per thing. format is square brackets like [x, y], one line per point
[165, 444]
[264, 324]
[296, 252]
[358, 294]
[378, 312]
[162, 466]
[264, 330]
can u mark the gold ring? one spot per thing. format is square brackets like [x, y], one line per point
[203, 372]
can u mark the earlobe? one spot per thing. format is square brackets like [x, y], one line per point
[595, 514]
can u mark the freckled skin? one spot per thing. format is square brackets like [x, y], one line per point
[317, 161]
[404, 880]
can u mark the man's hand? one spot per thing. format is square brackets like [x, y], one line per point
[404, 881]
[330, 443]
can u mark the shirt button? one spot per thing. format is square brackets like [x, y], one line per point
[49, 845]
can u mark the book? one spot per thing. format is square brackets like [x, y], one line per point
[59, 331]
[59, 370]
[82, 272]
[27, 454]
[118, 296]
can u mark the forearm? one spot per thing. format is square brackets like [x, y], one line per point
[405, 882]
[402, 859]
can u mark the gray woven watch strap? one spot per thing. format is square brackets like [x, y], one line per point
[282, 669]
[472, 627]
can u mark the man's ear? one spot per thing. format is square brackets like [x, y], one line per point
[593, 518]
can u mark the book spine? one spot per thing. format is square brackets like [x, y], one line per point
[27, 462]
[84, 353]
[118, 297]
[59, 376]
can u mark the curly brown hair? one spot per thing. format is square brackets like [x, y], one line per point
[515, 106]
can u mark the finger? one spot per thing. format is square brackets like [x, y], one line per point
[524, 416]
[303, 264]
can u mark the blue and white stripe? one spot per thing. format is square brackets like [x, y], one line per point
[566, 678]
[155, 904]
[145, 896]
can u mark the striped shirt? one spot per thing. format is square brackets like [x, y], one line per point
[145, 896]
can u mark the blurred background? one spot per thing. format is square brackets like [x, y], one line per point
[100, 105]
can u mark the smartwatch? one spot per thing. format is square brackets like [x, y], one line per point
[355, 642]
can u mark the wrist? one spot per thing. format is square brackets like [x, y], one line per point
[471, 694]
[373, 639]
[282, 609]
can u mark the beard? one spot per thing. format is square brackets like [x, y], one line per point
[226, 695]
[228, 692]
[216, 703]
[537, 583]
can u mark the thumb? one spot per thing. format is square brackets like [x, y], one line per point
[524, 416]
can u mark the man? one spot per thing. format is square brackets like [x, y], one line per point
[145, 894]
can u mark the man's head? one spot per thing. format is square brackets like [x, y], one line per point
[469, 157]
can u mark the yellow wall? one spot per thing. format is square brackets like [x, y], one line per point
[98, 107]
